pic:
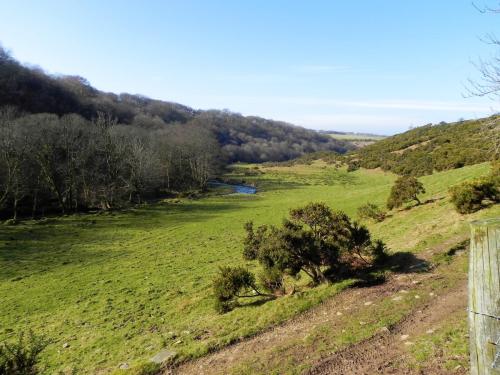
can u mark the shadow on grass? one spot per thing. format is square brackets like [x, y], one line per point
[405, 262]
[427, 201]
[447, 256]
[39, 246]
[400, 262]
[272, 184]
[256, 302]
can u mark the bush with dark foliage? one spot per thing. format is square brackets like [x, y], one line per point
[471, 196]
[316, 240]
[22, 356]
[370, 211]
[232, 283]
[405, 190]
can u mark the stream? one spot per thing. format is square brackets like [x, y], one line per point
[237, 188]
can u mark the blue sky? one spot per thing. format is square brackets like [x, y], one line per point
[371, 65]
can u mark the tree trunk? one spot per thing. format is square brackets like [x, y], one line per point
[14, 217]
[35, 203]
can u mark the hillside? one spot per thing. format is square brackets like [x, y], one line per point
[59, 276]
[429, 148]
[242, 138]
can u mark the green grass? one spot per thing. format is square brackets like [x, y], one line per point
[446, 347]
[119, 287]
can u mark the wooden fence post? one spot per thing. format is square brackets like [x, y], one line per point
[484, 297]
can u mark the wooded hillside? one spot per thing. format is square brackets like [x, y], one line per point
[242, 138]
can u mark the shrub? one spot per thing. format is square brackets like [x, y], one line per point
[230, 284]
[379, 252]
[359, 241]
[22, 356]
[371, 211]
[316, 240]
[252, 240]
[272, 279]
[469, 196]
[352, 165]
[404, 190]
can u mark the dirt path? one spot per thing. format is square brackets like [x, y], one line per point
[383, 352]
[374, 355]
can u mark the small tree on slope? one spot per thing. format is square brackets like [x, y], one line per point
[405, 189]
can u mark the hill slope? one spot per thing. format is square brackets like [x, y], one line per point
[59, 276]
[429, 148]
[250, 139]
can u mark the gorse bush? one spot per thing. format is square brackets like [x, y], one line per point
[352, 165]
[316, 240]
[22, 356]
[272, 280]
[404, 190]
[379, 252]
[232, 283]
[471, 196]
[371, 211]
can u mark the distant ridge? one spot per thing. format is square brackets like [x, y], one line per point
[430, 148]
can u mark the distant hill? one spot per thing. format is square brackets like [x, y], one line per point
[430, 148]
[357, 139]
[242, 138]
[352, 135]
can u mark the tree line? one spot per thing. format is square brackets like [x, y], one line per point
[66, 164]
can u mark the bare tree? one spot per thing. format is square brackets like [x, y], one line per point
[489, 82]
[111, 150]
[491, 130]
[9, 160]
[489, 70]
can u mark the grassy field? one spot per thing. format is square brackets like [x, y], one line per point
[118, 287]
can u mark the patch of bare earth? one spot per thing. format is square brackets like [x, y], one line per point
[382, 353]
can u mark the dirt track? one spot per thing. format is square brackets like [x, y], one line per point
[383, 352]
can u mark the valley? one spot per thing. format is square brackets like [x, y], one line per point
[115, 288]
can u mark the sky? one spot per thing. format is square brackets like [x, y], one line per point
[379, 66]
